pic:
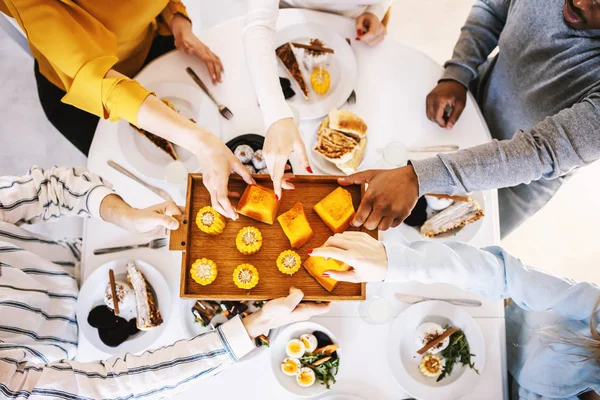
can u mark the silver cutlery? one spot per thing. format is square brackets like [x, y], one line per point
[412, 299]
[153, 244]
[162, 193]
[225, 112]
[433, 149]
[352, 98]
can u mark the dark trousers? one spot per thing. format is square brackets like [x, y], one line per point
[76, 125]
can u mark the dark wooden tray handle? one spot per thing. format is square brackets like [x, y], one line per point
[179, 237]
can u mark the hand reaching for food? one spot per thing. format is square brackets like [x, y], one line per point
[282, 311]
[367, 257]
[389, 198]
[281, 140]
[446, 102]
[187, 42]
[369, 29]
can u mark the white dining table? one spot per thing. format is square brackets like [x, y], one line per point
[393, 81]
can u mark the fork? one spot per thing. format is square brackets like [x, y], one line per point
[153, 244]
[225, 112]
[352, 98]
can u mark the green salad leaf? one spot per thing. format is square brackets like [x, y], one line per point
[324, 372]
[457, 351]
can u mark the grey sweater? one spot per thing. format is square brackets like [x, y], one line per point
[540, 97]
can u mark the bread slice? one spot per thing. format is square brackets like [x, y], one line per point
[348, 123]
[351, 166]
[335, 147]
[148, 314]
[285, 54]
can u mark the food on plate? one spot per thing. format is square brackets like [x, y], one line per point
[125, 299]
[418, 215]
[290, 366]
[288, 262]
[296, 226]
[248, 240]
[336, 210]
[250, 168]
[310, 342]
[438, 202]
[159, 142]
[259, 203]
[428, 332]
[286, 88]
[263, 171]
[258, 160]
[305, 377]
[244, 153]
[431, 366]
[314, 55]
[245, 276]
[342, 140]
[458, 214]
[287, 57]
[295, 348]
[320, 81]
[204, 271]
[317, 265]
[148, 314]
[210, 221]
[205, 310]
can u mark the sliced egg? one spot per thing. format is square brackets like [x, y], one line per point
[427, 332]
[290, 366]
[295, 348]
[438, 203]
[310, 342]
[305, 377]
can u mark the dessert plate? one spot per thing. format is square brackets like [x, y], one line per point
[464, 234]
[342, 69]
[92, 295]
[404, 360]
[148, 159]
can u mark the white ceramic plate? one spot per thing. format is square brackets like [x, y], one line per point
[193, 328]
[278, 355]
[92, 295]
[404, 360]
[464, 234]
[143, 155]
[341, 397]
[342, 69]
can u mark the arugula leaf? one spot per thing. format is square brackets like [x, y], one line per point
[457, 351]
[325, 372]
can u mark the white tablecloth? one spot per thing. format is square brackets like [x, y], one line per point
[393, 81]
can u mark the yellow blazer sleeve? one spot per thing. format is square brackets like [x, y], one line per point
[81, 51]
[166, 16]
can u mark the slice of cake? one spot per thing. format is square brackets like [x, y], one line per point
[285, 54]
[148, 314]
[461, 212]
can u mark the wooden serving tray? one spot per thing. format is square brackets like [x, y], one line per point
[221, 249]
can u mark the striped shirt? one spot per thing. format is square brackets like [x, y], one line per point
[38, 293]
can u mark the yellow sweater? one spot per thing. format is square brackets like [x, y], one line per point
[77, 43]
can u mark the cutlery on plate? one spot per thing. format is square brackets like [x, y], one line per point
[153, 244]
[160, 192]
[225, 112]
[433, 149]
[412, 299]
[352, 98]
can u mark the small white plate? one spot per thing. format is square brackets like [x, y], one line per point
[342, 68]
[143, 155]
[404, 360]
[464, 234]
[278, 354]
[92, 295]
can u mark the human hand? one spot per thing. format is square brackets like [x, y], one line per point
[283, 138]
[390, 196]
[187, 42]
[366, 256]
[152, 221]
[447, 95]
[369, 29]
[282, 311]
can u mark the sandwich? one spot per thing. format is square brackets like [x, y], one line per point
[348, 123]
[285, 54]
[148, 314]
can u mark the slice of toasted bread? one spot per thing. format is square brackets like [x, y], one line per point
[334, 146]
[348, 123]
[351, 166]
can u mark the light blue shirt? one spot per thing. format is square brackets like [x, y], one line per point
[543, 368]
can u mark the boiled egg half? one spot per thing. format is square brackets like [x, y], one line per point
[290, 366]
[295, 348]
[429, 331]
[305, 377]
[309, 341]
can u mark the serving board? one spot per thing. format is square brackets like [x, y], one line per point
[221, 249]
